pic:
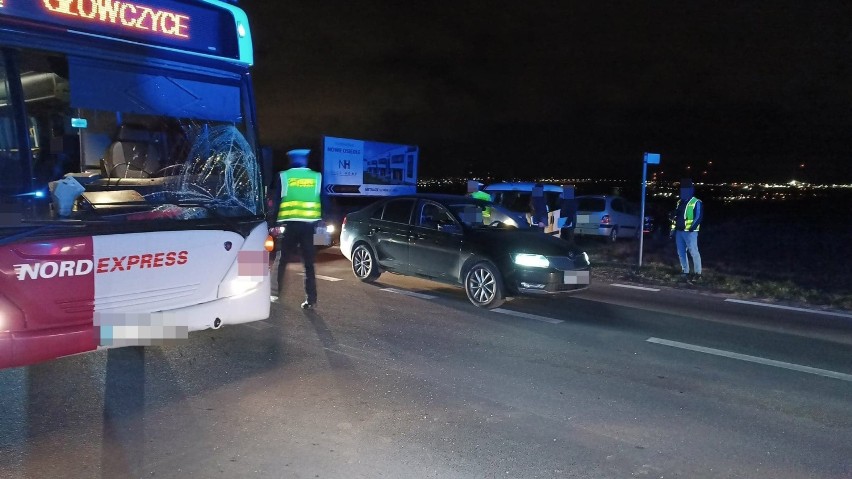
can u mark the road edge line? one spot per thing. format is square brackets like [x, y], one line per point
[752, 359]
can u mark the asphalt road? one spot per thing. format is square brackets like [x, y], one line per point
[613, 382]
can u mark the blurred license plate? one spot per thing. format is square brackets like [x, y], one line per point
[576, 277]
[322, 239]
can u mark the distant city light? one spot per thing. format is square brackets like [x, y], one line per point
[727, 192]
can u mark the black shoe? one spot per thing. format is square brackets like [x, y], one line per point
[307, 305]
[696, 278]
[684, 278]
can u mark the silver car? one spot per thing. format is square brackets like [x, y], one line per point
[607, 216]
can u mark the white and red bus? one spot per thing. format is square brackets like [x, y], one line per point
[131, 198]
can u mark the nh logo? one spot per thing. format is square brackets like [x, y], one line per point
[340, 163]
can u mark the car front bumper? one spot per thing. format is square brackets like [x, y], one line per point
[548, 281]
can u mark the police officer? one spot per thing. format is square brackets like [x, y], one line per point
[474, 190]
[685, 225]
[298, 211]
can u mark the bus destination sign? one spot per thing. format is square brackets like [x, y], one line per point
[126, 14]
[153, 22]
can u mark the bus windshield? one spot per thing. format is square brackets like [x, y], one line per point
[128, 156]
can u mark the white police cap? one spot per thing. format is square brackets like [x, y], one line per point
[298, 157]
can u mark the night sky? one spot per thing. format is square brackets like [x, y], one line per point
[566, 88]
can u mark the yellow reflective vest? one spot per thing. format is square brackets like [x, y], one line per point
[300, 195]
[688, 215]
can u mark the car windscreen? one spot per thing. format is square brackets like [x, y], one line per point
[591, 204]
[517, 201]
[477, 215]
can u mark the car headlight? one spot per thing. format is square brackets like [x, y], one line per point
[532, 260]
[329, 229]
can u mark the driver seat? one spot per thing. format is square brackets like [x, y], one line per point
[135, 153]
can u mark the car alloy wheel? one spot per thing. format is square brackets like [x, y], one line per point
[483, 286]
[364, 263]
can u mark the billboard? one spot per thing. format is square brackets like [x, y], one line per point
[368, 168]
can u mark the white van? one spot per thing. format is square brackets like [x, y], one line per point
[516, 197]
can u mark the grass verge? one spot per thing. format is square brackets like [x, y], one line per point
[619, 262]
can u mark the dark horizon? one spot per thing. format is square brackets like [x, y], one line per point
[565, 89]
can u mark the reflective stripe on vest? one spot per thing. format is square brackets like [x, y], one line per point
[689, 214]
[300, 198]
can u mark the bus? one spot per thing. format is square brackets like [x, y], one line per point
[131, 197]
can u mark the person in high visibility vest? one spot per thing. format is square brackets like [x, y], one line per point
[474, 190]
[685, 225]
[298, 211]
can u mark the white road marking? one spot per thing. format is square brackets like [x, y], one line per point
[325, 278]
[409, 293]
[630, 286]
[753, 359]
[790, 308]
[527, 316]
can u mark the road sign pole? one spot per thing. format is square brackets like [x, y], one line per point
[654, 159]
[642, 214]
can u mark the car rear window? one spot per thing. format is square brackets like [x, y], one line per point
[591, 204]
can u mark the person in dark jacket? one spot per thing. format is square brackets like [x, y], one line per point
[567, 213]
[538, 207]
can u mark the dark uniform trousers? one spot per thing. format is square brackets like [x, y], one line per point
[299, 235]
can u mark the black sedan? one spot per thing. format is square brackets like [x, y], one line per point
[488, 249]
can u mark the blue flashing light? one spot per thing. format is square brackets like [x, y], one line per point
[34, 194]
